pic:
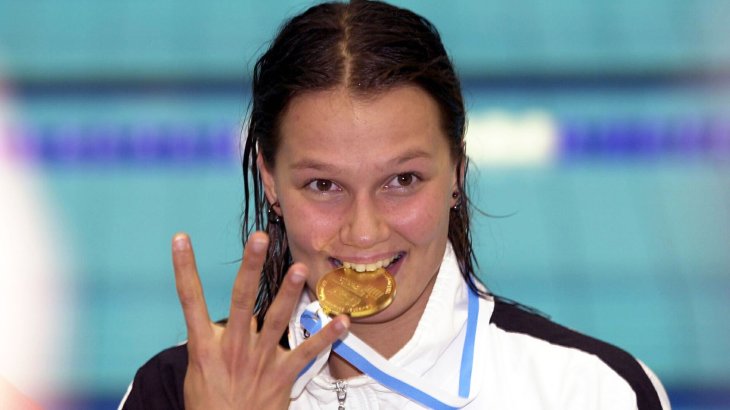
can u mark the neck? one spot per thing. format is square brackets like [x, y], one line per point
[386, 337]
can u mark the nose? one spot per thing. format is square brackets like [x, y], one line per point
[365, 225]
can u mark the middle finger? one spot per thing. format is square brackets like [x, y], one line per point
[245, 287]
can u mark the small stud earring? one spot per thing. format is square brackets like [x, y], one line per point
[455, 195]
[273, 217]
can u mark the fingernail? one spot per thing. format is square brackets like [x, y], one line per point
[297, 277]
[340, 325]
[180, 242]
[258, 243]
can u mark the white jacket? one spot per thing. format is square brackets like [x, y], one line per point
[521, 361]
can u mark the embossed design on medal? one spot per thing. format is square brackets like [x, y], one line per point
[357, 294]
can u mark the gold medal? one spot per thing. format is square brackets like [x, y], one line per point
[353, 293]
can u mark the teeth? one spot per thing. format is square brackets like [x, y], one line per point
[369, 267]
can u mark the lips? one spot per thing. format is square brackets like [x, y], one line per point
[370, 266]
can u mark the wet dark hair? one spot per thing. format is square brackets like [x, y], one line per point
[366, 47]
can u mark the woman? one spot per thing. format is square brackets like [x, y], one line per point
[355, 158]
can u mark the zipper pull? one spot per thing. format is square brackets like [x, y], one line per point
[341, 389]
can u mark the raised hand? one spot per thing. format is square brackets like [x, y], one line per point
[236, 366]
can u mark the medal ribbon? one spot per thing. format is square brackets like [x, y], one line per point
[368, 361]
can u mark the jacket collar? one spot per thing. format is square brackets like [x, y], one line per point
[442, 322]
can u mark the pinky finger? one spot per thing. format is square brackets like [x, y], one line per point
[189, 289]
[311, 347]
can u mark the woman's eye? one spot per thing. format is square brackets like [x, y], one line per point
[405, 179]
[402, 180]
[322, 185]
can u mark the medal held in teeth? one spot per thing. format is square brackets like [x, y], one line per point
[357, 294]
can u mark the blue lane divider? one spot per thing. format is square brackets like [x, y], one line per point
[108, 145]
[215, 143]
[644, 138]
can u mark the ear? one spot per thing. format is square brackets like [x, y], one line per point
[267, 178]
[458, 182]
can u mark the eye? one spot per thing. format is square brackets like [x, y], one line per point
[322, 185]
[402, 180]
[405, 179]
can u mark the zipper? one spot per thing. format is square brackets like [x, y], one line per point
[341, 390]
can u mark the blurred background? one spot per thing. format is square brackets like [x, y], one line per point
[599, 133]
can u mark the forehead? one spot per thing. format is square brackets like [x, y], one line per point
[337, 126]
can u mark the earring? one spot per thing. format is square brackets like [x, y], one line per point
[273, 217]
[455, 195]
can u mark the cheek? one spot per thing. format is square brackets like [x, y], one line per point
[308, 228]
[420, 220]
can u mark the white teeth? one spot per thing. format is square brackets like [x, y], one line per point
[368, 267]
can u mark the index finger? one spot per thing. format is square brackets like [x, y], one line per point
[189, 289]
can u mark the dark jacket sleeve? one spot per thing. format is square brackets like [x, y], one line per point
[158, 384]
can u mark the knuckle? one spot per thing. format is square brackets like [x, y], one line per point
[188, 299]
[289, 369]
[199, 353]
[286, 293]
[181, 260]
[252, 264]
[275, 321]
[309, 349]
[239, 301]
[289, 292]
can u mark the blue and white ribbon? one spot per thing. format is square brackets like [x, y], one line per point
[397, 379]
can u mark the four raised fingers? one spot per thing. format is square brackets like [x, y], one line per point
[242, 321]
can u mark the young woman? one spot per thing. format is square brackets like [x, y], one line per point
[355, 159]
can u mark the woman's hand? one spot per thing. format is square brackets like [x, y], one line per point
[237, 366]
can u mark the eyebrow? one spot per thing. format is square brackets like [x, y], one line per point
[411, 154]
[312, 164]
